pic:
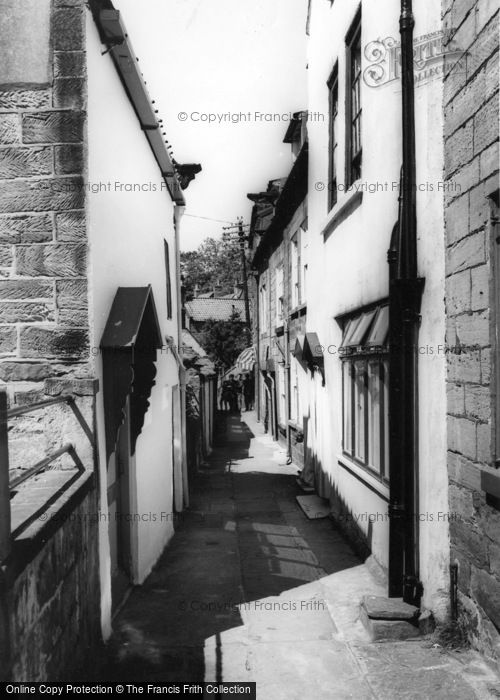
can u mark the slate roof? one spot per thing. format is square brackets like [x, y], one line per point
[214, 309]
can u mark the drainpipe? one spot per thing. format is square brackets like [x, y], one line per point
[257, 377]
[287, 394]
[405, 294]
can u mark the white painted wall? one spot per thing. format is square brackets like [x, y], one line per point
[126, 234]
[349, 269]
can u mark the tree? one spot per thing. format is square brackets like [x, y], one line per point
[224, 340]
[216, 263]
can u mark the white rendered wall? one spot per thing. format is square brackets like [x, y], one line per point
[126, 234]
[349, 268]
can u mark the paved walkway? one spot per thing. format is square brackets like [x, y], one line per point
[249, 589]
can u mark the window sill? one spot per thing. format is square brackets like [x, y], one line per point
[363, 475]
[344, 207]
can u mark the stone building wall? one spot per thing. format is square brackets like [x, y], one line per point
[54, 602]
[471, 168]
[43, 256]
[53, 593]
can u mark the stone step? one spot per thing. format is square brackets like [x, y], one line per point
[392, 618]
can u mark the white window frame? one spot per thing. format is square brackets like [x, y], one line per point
[281, 394]
[295, 407]
[280, 294]
[264, 307]
[295, 269]
[365, 393]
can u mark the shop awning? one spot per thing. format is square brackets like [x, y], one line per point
[246, 359]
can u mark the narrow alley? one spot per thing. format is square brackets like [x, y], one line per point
[250, 589]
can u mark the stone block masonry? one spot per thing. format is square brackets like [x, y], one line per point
[52, 574]
[54, 603]
[43, 242]
[471, 158]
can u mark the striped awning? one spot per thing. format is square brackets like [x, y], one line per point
[244, 363]
[246, 359]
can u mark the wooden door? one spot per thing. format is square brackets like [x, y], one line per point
[120, 517]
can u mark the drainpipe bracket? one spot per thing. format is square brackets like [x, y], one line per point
[396, 511]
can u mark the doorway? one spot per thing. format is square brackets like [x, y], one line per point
[120, 514]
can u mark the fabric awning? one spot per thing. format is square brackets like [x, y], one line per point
[246, 359]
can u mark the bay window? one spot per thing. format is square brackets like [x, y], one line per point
[365, 375]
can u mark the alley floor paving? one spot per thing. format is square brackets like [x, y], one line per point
[250, 589]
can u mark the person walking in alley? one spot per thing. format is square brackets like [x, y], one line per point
[235, 392]
[226, 394]
[248, 391]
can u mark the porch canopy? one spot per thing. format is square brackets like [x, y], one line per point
[129, 344]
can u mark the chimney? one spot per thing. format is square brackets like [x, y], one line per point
[195, 291]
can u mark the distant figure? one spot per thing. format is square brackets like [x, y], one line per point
[226, 394]
[248, 391]
[235, 391]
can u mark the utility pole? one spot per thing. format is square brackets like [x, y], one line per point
[239, 229]
[241, 235]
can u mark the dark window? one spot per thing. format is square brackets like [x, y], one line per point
[353, 111]
[333, 87]
[169, 283]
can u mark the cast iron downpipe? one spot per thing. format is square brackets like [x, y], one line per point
[287, 394]
[405, 293]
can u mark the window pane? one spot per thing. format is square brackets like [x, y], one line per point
[281, 393]
[349, 331]
[279, 294]
[169, 283]
[293, 390]
[380, 328]
[347, 407]
[295, 273]
[359, 412]
[374, 415]
[385, 417]
[334, 108]
[361, 329]
[355, 108]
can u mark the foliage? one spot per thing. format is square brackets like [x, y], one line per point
[216, 263]
[224, 340]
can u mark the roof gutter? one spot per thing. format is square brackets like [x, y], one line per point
[114, 34]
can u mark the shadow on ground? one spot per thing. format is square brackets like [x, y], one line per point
[243, 538]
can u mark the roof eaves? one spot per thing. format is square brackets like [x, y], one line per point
[114, 34]
[292, 194]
